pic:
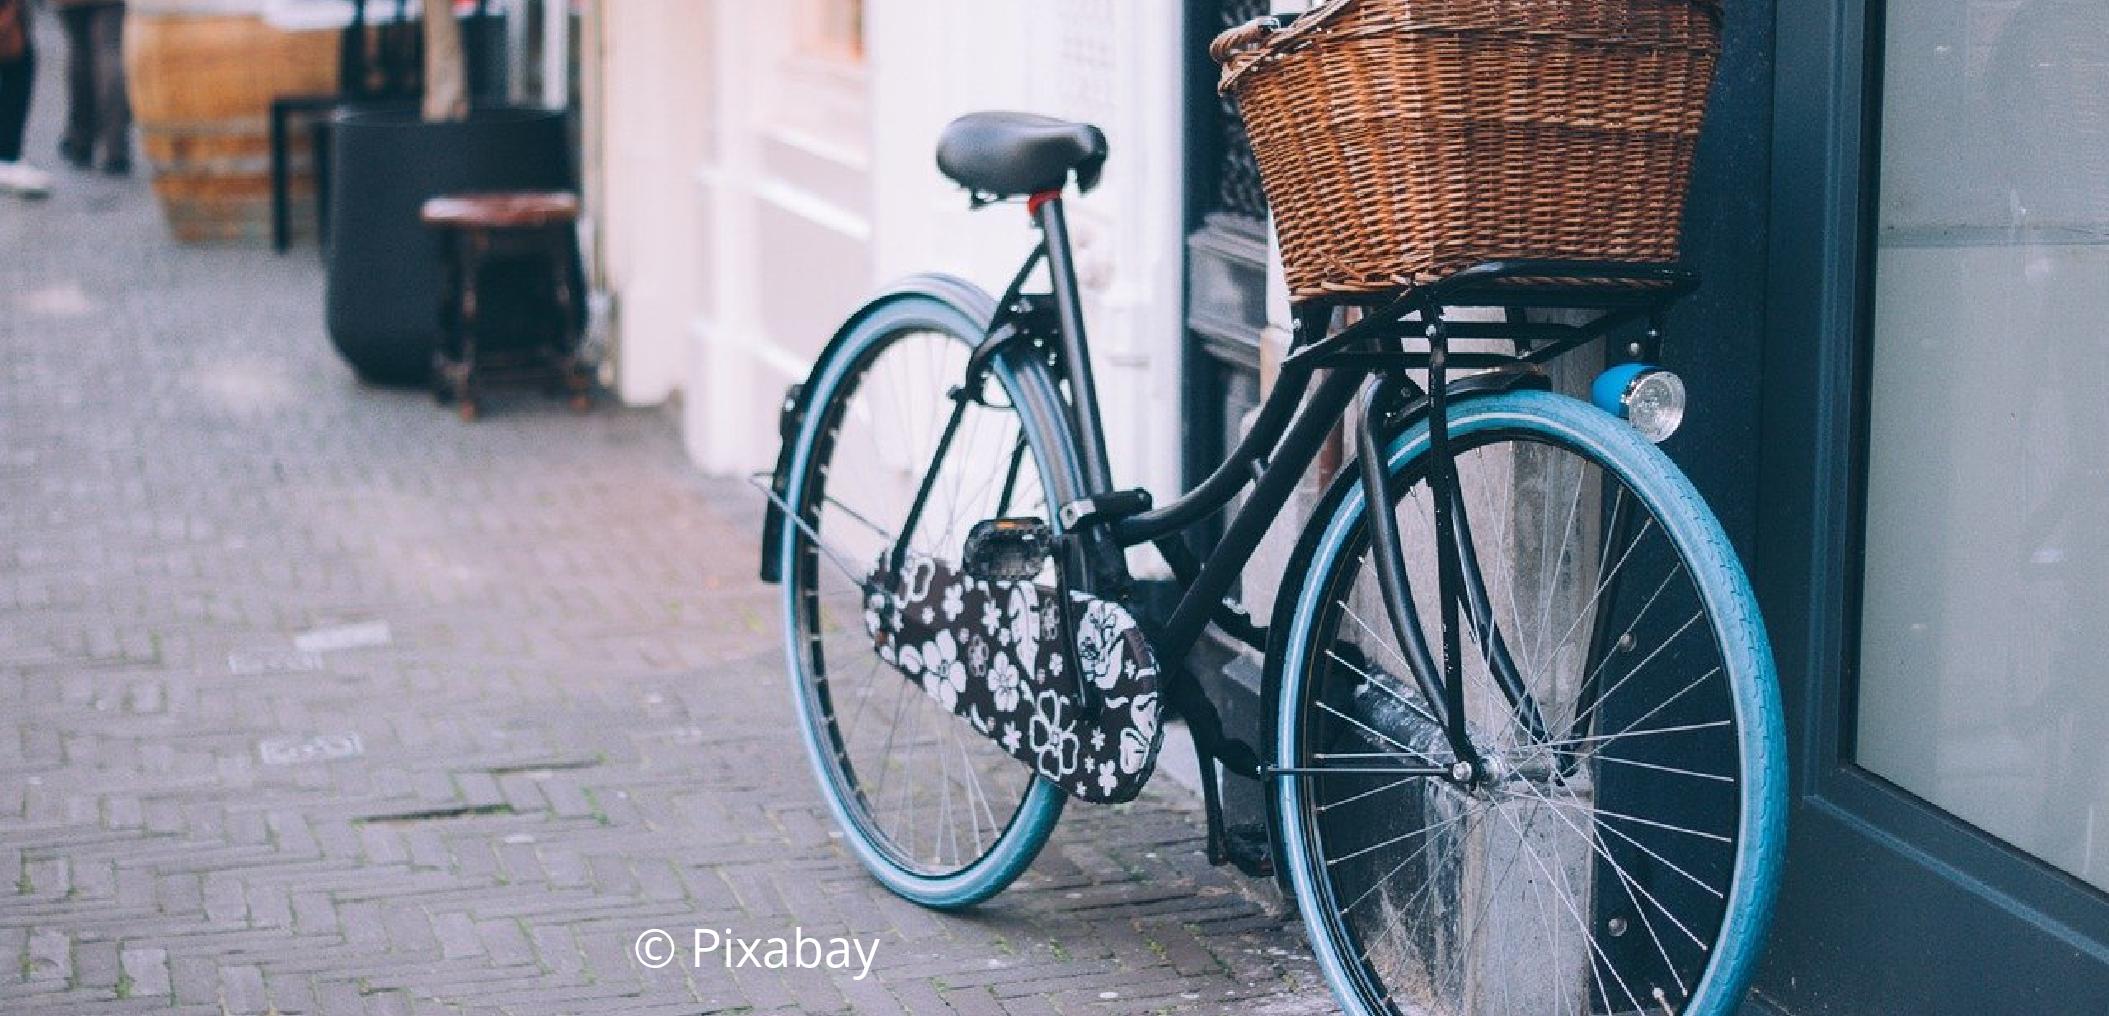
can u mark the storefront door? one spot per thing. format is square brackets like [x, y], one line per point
[1933, 549]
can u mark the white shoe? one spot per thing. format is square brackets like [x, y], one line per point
[24, 179]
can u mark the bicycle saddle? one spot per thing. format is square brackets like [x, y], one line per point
[1007, 154]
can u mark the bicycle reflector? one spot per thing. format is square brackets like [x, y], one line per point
[1648, 397]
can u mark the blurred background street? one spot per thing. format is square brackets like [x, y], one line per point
[314, 699]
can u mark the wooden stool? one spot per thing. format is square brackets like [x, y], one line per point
[480, 228]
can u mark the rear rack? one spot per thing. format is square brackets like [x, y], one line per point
[1622, 292]
[1576, 284]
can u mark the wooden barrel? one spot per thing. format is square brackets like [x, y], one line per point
[203, 74]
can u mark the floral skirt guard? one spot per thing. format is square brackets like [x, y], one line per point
[992, 652]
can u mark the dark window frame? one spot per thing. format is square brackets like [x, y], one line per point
[2038, 927]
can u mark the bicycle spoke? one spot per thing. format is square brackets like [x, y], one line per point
[1396, 695]
[1380, 735]
[908, 787]
[1621, 682]
[1372, 632]
[1623, 636]
[1644, 765]
[900, 697]
[1567, 900]
[1605, 583]
[858, 517]
[824, 552]
[976, 797]
[1372, 792]
[1513, 710]
[1493, 891]
[1683, 990]
[1678, 729]
[1401, 838]
[1606, 855]
[1630, 728]
[1421, 897]
[1559, 561]
[1378, 883]
[1623, 817]
[945, 831]
[1660, 706]
[1631, 886]
[863, 698]
[1664, 861]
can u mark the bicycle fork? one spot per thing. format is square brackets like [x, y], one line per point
[1461, 586]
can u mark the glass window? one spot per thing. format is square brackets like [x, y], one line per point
[1984, 656]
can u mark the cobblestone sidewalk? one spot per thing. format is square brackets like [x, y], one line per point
[315, 700]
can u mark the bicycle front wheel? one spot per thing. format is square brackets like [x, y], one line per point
[939, 814]
[1618, 849]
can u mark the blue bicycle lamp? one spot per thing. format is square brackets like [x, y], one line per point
[1646, 396]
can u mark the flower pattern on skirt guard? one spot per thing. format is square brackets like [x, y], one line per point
[991, 652]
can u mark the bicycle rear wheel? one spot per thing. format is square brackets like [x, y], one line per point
[939, 814]
[1619, 852]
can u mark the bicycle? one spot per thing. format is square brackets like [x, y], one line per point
[1523, 741]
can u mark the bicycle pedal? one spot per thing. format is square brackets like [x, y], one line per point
[1007, 550]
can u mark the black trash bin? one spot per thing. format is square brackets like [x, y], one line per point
[386, 274]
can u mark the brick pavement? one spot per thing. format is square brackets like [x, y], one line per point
[314, 700]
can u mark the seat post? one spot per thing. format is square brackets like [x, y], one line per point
[1046, 209]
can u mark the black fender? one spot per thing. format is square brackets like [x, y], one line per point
[963, 296]
[1473, 386]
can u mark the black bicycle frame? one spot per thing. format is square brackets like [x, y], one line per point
[1366, 362]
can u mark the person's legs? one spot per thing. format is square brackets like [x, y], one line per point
[18, 177]
[113, 108]
[16, 77]
[78, 141]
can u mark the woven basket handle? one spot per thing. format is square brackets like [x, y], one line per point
[1244, 47]
[1226, 46]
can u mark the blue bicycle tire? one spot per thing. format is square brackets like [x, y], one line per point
[1752, 684]
[960, 314]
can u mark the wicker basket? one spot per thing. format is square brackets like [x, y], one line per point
[1402, 140]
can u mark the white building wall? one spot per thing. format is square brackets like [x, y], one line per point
[647, 105]
[1115, 63]
[786, 226]
[806, 182]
